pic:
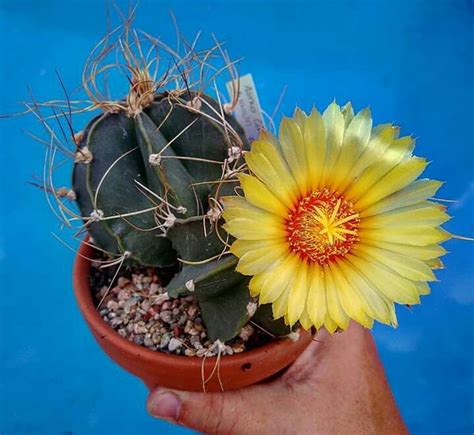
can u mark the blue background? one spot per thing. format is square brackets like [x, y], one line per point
[411, 61]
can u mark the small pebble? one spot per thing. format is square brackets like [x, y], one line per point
[130, 303]
[201, 352]
[141, 311]
[166, 316]
[123, 295]
[116, 322]
[138, 339]
[166, 305]
[174, 344]
[246, 332]
[192, 310]
[165, 339]
[154, 288]
[122, 282]
[238, 347]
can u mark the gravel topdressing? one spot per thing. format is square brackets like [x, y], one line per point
[139, 309]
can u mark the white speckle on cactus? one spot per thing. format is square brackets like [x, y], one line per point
[234, 153]
[195, 103]
[154, 159]
[77, 137]
[64, 192]
[71, 195]
[214, 214]
[96, 215]
[169, 221]
[294, 336]
[83, 155]
[126, 254]
[216, 345]
[228, 108]
[251, 308]
[190, 285]
[181, 209]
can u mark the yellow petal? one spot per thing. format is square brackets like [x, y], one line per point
[298, 294]
[293, 148]
[317, 296]
[423, 288]
[381, 138]
[266, 162]
[416, 192]
[408, 267]
[241, 247]
[375, 301]
[280, 306]
[420, 236]
[257, 194]
[256, 283]
[399, 150]
[314, 133]
[305, 320]
[300, 118]
[393, 156]
[334, 306]
[393, 315]
[256, 214]
[259, 260]
[420, 252]
[248, 229]
[434, 263]
[348, 114]
[352, 303]
[277, 279]
[356, 139]
[398, 178]
[392, 285]
[334, 123]
[330, 324]
[277, 180]
[423, 213]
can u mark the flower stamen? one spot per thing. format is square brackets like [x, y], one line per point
[322, 227]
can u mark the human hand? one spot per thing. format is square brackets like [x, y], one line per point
[337, 386]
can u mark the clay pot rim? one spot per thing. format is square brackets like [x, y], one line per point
[84, 298]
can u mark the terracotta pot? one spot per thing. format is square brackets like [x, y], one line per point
[174, 371]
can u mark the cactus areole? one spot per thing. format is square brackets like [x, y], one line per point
[148, 180]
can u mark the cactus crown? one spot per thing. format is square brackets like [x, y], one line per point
[150, 169]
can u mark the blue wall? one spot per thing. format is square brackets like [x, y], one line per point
[410, 60]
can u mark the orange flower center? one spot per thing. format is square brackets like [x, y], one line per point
[322, 227]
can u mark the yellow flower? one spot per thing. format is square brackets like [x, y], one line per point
[334, 224]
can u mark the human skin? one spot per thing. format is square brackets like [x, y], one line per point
[337, 386]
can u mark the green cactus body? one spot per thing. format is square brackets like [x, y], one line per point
[143, 183]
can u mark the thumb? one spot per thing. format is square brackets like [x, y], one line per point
[205, 412]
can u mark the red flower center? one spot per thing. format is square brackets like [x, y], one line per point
[322, 227]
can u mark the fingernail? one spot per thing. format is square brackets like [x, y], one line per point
[164, 405]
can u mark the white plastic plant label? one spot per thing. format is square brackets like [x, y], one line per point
[247, 109]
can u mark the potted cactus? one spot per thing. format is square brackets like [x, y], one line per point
[154, 277]
[206, 261]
